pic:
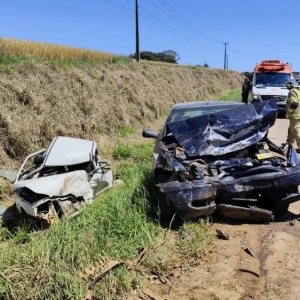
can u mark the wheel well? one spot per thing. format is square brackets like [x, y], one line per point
[161, 176]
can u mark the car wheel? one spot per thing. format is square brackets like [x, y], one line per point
[166, 210]
[280, 208]
[276, 204]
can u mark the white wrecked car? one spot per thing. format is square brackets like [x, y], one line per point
[62, 179]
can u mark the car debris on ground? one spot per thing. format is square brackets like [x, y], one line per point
[246, 248]
[222, 235]
[214, 157]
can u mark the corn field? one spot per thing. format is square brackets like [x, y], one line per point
[13, 47]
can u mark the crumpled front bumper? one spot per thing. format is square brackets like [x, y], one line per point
[200, 198]
[191, 199]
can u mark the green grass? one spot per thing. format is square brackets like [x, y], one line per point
[8, 60]
[126, 130]
[122, 150]
[235, 95]
[139, 152]
[101, 130]
[195, 240]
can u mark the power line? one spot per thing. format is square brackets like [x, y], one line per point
[185, 24]
[184, 21]
[120, 5]
[186, 38]
[175, 31]
[182, 25]
[171, 29]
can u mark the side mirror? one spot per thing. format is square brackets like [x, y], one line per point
[148, 133]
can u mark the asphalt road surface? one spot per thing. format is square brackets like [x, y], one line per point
[278, 133]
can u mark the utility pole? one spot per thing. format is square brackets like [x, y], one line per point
[137, 49]
[225, 56]
[227, 62]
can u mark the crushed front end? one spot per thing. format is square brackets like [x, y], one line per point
[48, 198]
[226, 164]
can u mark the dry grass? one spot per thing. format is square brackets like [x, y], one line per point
[31, 49]
[6, 193]
[40, 101]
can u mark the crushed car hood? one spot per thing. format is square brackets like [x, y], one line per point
[72, 183]
[226, 131]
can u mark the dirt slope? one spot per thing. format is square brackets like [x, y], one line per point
[40, 101]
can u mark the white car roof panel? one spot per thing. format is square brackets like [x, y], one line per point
[66, 151]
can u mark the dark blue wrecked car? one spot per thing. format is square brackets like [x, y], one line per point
[214, 157]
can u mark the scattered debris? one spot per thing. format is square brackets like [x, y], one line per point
[221, 235]
[249, 272]
[104, 267]
[11, 176]
[151, 295]
[247, 249]
[100, 269]
[292, 223]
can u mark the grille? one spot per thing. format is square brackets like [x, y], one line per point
[277, 98]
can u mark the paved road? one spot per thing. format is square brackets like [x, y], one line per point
[278, 133]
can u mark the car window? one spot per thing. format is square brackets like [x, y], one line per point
[186, 113]
[273, 79]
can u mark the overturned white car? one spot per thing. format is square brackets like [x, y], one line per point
[61, 180]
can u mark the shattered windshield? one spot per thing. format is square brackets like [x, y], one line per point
[225, 130]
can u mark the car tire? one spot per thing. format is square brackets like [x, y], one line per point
[280, 208]
[277, 206]
[166, 211]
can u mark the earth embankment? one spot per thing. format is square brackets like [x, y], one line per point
[40, 101]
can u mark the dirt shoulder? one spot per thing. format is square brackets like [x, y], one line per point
[230, 272]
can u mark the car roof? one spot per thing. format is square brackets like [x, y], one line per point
[65, 151]
[195, 104]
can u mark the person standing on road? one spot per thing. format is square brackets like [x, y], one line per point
[293, 114]
[245, 90]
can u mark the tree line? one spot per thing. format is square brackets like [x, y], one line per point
[169, 56]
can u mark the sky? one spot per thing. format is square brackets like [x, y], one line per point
[198, 30]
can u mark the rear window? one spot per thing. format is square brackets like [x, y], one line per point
[186, 113]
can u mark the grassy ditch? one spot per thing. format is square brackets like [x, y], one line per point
[53, 263]
[235, 95]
